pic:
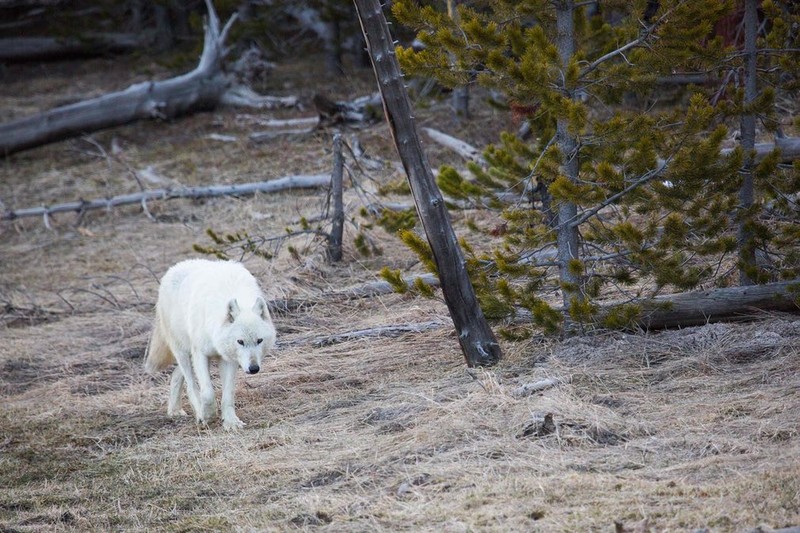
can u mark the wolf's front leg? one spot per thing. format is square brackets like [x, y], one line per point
[227, 371]
[206, 400]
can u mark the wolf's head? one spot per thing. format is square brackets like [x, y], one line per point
[249, 333]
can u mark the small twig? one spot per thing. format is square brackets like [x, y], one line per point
[537, 386]
[380, 331]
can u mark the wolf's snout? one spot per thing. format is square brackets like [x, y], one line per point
[253, 369]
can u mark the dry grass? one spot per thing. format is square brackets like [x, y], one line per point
[688, 429]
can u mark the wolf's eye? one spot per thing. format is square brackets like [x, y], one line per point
[259, 341]
[241, 342]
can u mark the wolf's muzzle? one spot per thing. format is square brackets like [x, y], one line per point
[253, 369]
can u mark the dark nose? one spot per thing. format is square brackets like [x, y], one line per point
[254, 369]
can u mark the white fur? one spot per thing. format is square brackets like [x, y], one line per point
[208, 310]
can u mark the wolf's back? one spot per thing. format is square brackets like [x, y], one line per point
[159, 356]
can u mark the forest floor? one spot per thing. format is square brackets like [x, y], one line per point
[675, 431]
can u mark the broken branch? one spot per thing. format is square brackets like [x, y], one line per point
[288, 182]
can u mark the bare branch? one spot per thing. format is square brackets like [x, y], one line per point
[647, 176]
[288, 182]
[621, 50]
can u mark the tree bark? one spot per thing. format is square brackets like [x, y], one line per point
[744, 238]
[337, 225]
[567, 236]
[200, 89]
[478, 343]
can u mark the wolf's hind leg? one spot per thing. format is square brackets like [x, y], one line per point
[175, 387]
[185, 365]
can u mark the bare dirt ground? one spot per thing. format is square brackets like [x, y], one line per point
[677, 431]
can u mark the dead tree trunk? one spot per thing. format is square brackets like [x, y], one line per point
[477, 340]
[337, 225]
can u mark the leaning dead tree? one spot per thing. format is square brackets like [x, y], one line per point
[205, 87]
[478, 343]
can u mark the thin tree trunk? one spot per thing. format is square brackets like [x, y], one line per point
[137, 15]
[478, 343]
[460, 96]
[333, 53]
[567, 237]
[747, 252]
[337, 225]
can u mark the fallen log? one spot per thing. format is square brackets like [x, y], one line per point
[729, 304]
[298, 127]
[142, 197]
[465, 150]
[204, 88]
[788, 146]
[698, 308]
[243, 96]
[201, 88]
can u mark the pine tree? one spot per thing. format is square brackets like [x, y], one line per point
[770, 69]
[632, 194]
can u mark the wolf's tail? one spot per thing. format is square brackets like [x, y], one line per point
[159, 356]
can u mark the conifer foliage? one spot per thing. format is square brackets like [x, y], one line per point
[624, 189]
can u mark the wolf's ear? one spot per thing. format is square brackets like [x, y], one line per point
[233, 310]
[260, 308]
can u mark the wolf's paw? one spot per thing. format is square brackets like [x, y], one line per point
[176, 412]
[232, 423]
[207, 412]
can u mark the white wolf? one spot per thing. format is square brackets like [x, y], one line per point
[208, 310]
